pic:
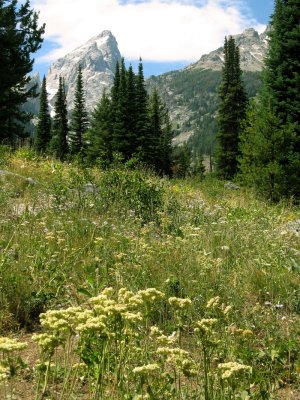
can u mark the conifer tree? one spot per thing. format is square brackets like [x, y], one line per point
[121, 142]
[232, 111]
[99, 135]
[144, 140]
[79, 118]
[131, 110]
[59, 145]
[115, 91]
[43, 129]
[160, 134]
[20, 37]
[273, 126]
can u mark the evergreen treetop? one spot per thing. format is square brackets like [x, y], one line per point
[79, 118]
[59, 145]
[232, 111]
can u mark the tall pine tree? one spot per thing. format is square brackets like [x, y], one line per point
[160, 134]
[99, 135]
[43, 129]
[79, 118]
[143, 133]
[20, 37]
[232, 111]
[121, 142]
[59, 145]
[274, 123]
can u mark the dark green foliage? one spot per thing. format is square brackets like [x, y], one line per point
[131, 110]
[232, 109]
[121, 135]
[144, 140]
[273, 124]
[20, 36]
[130, 124]
[197, 165]
[282, 73]
[59, 144]
[160, 134]
[262, 146]
[43, 129]
[99, 136]
[181, 161]
[79, 119]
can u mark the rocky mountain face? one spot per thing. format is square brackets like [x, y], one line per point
[97, 58]
[191, 94]
[253, 49]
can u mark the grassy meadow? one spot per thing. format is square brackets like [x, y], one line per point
[118, 284]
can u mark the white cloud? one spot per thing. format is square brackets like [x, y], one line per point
[157, 30]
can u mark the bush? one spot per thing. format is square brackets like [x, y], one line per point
[134, 190]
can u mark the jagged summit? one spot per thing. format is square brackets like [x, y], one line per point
[97, 57]
[253, 50]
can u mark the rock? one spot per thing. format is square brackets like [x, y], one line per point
[90, 188]
[30, 181]
[293, 227]
[98, 58]
[232, 186]
[253, 50]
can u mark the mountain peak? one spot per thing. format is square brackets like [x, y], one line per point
[97, 57]
[250, 32]
[253, 49]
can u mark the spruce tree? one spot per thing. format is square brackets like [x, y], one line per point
[160, 135]
[121, 142]
[232, 111]
[43, 129]
[144, 141]
[99, 135]
[273, 127]
[20, 37]
[131, 111]
[115, 91]
[79, 118]
[59, 145]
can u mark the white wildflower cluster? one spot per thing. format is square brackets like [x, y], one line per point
[97, 317]
[178, 358]
[48, 341]
[205, 325]
[8, 345]
[213, 302]
[179, 303]
[4, 373]
[146, 370]
[232, 369]
[142, 397]
[161, 338]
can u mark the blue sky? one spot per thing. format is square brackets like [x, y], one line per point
[167, 34]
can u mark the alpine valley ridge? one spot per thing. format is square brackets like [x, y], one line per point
[190, 93]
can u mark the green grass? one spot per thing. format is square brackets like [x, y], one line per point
[62, 244]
